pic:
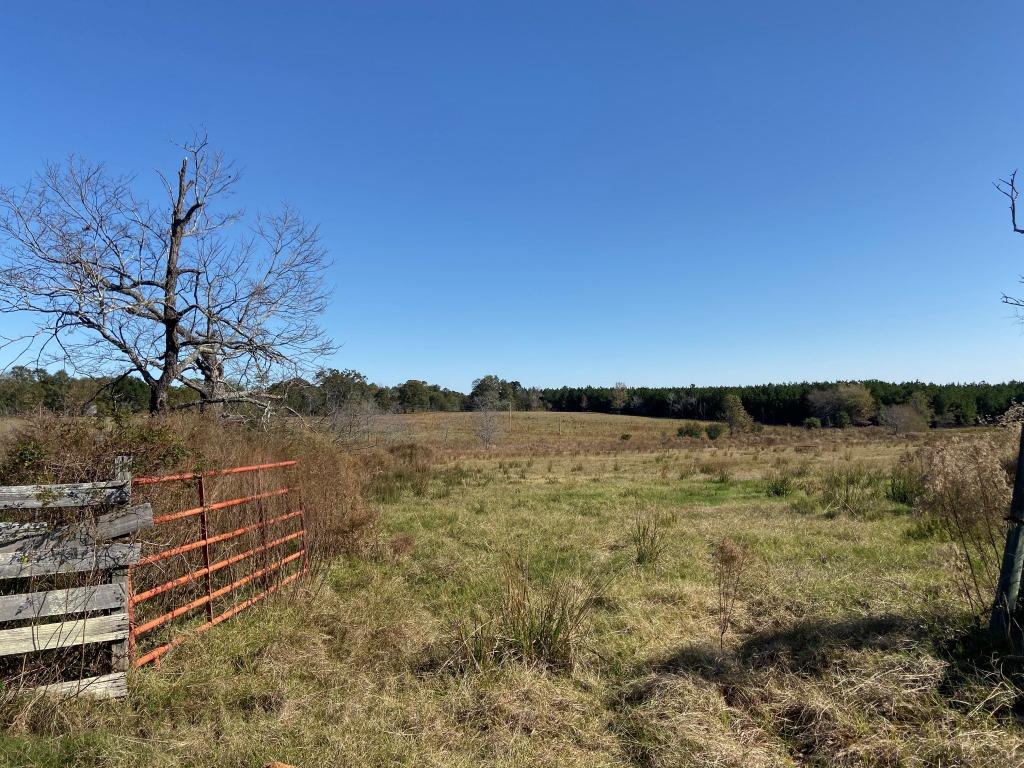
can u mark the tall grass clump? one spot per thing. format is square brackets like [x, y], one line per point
[649, 540]
[906, 482]
[531, 624]
[779, 482]
[404, 467]
[851, 488]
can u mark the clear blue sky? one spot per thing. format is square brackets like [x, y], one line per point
[572, 193]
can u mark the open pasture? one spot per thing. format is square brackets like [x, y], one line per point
[571, 598]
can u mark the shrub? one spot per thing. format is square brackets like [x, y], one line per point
[691, 430]
[715, 430]
[902, 418]
[52, 449]
[625, 436]
[967, 495]
[812, 422]
[728, 561]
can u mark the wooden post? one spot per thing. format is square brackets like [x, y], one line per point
[1003, 623]
[121, 652]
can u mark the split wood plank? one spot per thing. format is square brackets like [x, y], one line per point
[67, 559]
[55, 602]
[62, 634]
[66, 495]
[18, 537]
[112, 686]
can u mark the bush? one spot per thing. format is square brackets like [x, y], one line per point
[728, 560]
[842, 405]
[625, 436]
[812, 422]
[691, 430]
[54, 449]
[715, 430]
[967, 494]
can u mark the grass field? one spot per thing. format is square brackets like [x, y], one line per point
[442, 646]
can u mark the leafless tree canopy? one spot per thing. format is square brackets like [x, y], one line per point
[1008, 187]
[184, 292]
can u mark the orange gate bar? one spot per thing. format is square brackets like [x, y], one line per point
[204, 542]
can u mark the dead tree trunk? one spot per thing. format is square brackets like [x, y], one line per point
[180, 217]
[214, 388]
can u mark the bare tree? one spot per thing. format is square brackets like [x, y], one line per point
[182, 293]
[485, 417]
[901, 418]
[620, 396]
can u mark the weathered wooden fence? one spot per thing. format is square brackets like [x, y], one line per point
[65, 596]
[221, 556]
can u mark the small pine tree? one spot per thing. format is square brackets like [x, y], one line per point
[736, 415]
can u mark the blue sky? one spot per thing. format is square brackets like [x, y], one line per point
[572, 193]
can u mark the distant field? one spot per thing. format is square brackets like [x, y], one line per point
[535, 432]
[419, 653]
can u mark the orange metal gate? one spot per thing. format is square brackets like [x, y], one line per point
[232, 553]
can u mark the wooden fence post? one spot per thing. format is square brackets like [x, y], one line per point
[121, 652]
[1003, 623]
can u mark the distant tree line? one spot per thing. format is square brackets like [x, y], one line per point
[903, 406]
[833, 404]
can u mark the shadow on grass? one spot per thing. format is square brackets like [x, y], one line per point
[810, 648]
[749, 677]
